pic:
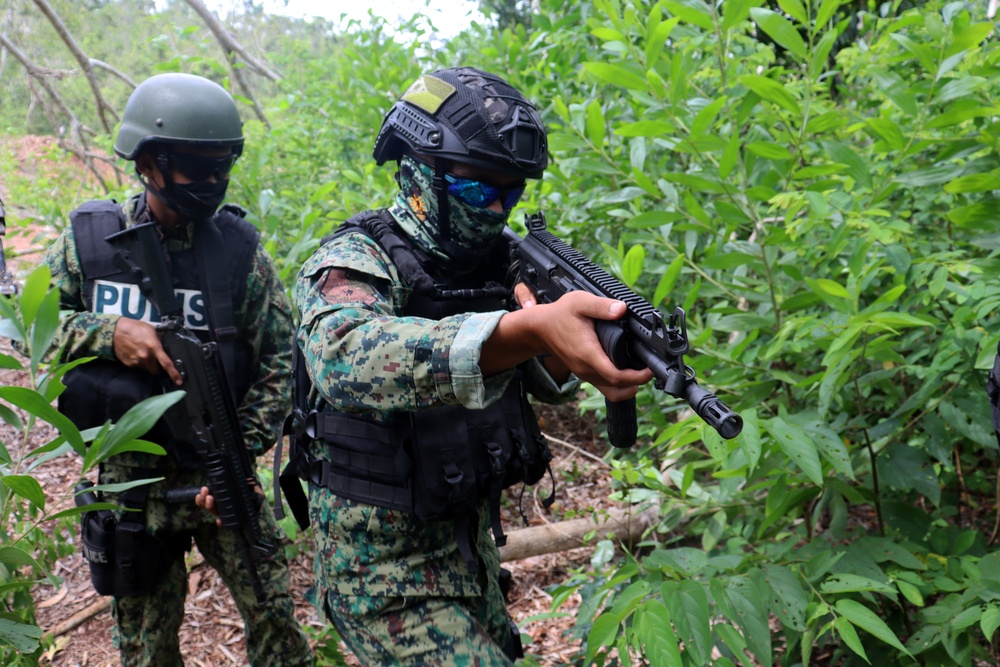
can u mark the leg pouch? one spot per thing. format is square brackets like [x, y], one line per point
[124, 558]
[97, 532]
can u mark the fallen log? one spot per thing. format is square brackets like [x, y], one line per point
[625, 525]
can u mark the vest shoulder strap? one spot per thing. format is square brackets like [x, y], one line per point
[381, 228]
[91, 224]
[241, 240]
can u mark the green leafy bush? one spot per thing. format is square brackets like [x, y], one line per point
[27, 550]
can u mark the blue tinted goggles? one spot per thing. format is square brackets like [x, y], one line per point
[479, 194]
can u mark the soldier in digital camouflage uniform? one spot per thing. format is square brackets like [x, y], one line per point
[184, 134]
[408, 364]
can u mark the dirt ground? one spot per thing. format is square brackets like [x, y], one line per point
[212, 635]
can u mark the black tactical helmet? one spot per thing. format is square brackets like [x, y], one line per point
[180, 109]
[469, 116]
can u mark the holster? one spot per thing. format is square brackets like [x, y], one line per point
[124, 558]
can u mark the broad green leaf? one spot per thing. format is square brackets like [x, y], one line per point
[825, 13]
[689, 610]
[646, 128]
[750, 439]
[974, 183]
[959, 88]
[867, 620]
[617, 75]
[652, 219]
[990, 621]
[729, 156]
[627, 601]
[750, 610]
[966, 617]
[772, 91]
[635, 259]
[847, 632]
[44, 328]
[601, 634]
[9, 362]
[895, 89]
[702, 122]
[780, 30]
[983, 215]
[972, 36]
[770, 150]
[33, 293]
[924, 54]
[789, 598]
[798, 446]
[887, 130]
[595, 124]
[795, 9]
[956, 116]
[883, 549]
[820, 58]
[731, 637]
[735, 12]
[931, 175]
[853, 583]
[33, 402]
[856, 166]
[27, 487]
[910, 592]
[657, 636]
[694, 13]
[134, 423]
[658, 38]
[22, 636]
[667, 281]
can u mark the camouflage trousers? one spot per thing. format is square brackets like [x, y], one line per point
[147, 626]
[399, 592]
[421, 632]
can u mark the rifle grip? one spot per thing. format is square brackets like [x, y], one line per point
[622, 427]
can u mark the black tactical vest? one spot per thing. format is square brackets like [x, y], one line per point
[436, 463]
[103, 389]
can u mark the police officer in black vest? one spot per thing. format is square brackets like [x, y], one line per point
[184, 134]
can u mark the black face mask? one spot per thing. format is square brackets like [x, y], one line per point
[200, 199]
[196, 200]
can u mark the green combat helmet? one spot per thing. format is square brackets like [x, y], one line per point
[179, 109]
[466, 115]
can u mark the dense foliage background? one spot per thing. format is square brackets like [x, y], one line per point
[814, 181]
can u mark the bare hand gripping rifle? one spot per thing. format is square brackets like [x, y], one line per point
[640, 339]
[207, 416]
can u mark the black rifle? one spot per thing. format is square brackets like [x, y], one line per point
[7, 285]
[640, 339]
[207, 416]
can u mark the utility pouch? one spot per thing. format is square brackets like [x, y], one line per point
[97, 530]
[124, 558]
[444, 474]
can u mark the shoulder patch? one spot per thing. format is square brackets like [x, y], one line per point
[428, 93]
[353, 251]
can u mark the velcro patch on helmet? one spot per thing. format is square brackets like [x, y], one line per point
[429, 93]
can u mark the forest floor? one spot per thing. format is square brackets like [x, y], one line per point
[212, 634]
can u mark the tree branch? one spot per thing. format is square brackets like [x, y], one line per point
[236, 56]
[103, 108]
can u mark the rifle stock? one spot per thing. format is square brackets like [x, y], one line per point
[207, 416]
[640, 339]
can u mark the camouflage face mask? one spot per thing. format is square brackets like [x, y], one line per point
[473, 230]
